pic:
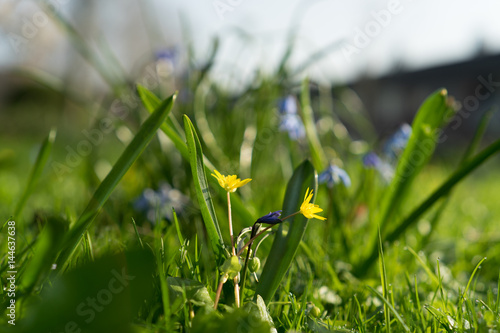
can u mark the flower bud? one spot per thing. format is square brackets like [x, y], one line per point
[315, 311]
[253, 264]
[231, 267]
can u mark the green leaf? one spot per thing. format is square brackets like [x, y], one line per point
[433, 113]
[187, 291]
[285, 244]
[101, 195]
[259, 310]
[151, 102]
[202, 190]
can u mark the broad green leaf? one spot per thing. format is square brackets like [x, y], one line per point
[433, 113]
[132, 152]
[187, 291]
[202, 190]
[285, 244]
[259, 310]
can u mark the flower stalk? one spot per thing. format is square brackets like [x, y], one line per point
[230, 184]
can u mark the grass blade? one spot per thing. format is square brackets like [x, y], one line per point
[317, 153]
[137, 233]
[389, 305]
[383, 280]
[177, 227]
[285, 245]
[134, 149]
[40, 162]
[478, 135]
[202, 190]
[151, 102]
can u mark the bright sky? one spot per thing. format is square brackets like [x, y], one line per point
[417, 33]
[374, 36]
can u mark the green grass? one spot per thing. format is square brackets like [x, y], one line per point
[79, 237]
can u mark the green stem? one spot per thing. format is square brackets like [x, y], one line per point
[245, 266]
[230, 222]
[236, 286]
[283, 219]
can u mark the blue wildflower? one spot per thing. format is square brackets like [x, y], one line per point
[371, 160]
[166, 61]
[288, 105]
[271, 218]
[334, 175]
[397, 142]
[292, 124]
[169, 54]
[153, 203]
[289, 119]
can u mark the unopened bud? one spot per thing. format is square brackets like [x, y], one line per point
[253, 264]
[315, 312]
[231, 267]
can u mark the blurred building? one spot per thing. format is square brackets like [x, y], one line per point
[395, 98]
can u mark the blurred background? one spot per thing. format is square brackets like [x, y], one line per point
[391, 53]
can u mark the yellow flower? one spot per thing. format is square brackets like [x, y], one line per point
[309, 210]
[230, 183]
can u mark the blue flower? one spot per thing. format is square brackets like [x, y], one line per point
[288, 105]
[371, 160]
[334, 175]
[271, 218]
[166, 61]
[292, 124]
[159, 203]
[289, 119]
[397, 142]
[169, 54]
